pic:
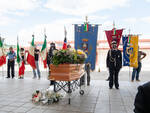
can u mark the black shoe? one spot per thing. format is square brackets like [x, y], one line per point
[88, 84]
[7, 77]
[117, 87]
[107, 79]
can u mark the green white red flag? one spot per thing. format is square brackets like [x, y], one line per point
[44, 53]
[2, 54]
[30, 57]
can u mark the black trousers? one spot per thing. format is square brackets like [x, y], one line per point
[11, 65]
[113, 75]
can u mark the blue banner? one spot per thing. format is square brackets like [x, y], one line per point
[126, 55]
[87, 41]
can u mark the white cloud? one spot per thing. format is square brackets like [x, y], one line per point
[83, 7]
[146, 19]
[4, 21]
[7, 6]
[148, 0]
[54, 31]
[130, 20]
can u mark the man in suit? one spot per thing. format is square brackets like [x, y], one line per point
[114, 64]
[142, 99]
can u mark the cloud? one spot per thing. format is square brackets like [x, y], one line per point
[10, 6]
[148, 0]
[4, 21]
[83, 7]
[54, 31]
[146, 19]
[130, 20]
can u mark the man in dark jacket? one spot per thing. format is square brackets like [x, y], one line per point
[142, 100]
[49, 58]
[114, 64]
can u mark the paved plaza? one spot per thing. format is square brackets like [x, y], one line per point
[15, 95]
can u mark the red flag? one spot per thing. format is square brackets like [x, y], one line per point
[65, 44]
[65, 40]
[111, 35]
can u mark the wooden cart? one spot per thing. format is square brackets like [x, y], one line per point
[67, 77]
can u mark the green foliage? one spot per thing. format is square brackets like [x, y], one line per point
[69, 56]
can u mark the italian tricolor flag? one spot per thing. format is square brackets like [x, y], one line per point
[30, 57]
[44, 53]
[2, 55]
[18, 49]
[114, 31]
[86, 27]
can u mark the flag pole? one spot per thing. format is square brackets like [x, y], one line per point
[129, 56]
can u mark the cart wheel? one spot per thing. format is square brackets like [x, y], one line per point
[81, 92]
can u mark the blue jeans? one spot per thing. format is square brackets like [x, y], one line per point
[136, 71]
[38, 70]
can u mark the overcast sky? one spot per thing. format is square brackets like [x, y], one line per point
[25, 17]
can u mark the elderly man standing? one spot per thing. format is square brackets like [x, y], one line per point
[114, 64]
[11, 63]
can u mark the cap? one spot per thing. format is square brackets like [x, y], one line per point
[52, 44]
[113, 42]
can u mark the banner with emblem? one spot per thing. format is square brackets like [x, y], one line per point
[114, 34]
[134, 50]
[86, 40]
[130, 50]
[126, 48]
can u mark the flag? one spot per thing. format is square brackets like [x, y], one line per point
[18, 56]
[30, 57]
[134, 51]
[114, 31]
[21, 69]
[2, 54]
[126, 48]
[87, 41]
[44, 53]
[130, 51]
[65, 40]
[86, 27]
[114, 35]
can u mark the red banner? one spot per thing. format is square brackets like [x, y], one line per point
[114, 35]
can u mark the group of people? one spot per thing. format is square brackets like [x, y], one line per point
[12, 56]
[114, 64]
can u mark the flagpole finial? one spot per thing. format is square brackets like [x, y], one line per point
[129, 31]
[113, 24]
[86, 19]
[65, 31]
[33, 35]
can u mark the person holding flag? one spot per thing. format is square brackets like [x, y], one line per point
[11, 63]
[33, 57]
[36, 57]
[22, 66]
[137, 70]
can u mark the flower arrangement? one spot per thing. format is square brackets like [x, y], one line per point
[69, 56]
[45, 97]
